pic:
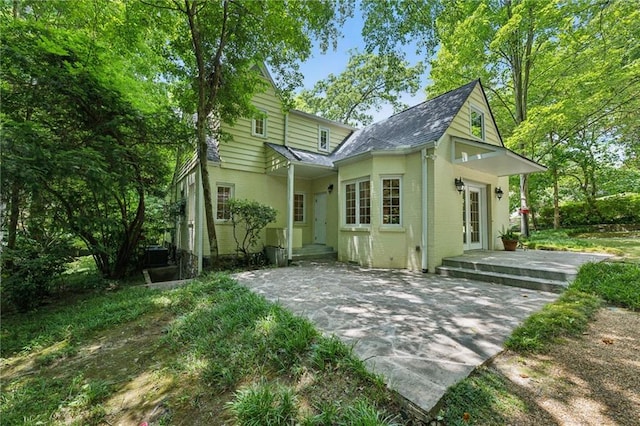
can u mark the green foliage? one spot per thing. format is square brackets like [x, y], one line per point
[567, 316]
[508, 234]
[482, 398]
[75, 144]
[249, 217]
[31, 269]
[368, 81]
[265, 404]
[617, 209]
[617, 283]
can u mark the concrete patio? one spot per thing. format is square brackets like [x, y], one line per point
[421, 332]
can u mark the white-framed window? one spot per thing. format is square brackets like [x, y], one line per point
[299, 207]
[357, 202]
[224, 192]
[477, 123]
[259, 125]
[323, 139]
[391, 200]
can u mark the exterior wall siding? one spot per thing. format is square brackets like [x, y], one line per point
[461, 124]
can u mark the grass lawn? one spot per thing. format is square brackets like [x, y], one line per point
[623, 244]
[211, 352]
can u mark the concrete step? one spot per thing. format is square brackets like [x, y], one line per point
[314, 251]
[510, 269]
[532, 283]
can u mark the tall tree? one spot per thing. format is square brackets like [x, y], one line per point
[366, 84]
[75, 143]
[218, 47]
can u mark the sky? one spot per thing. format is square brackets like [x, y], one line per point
[319, 66]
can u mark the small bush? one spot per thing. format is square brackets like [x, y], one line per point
[30, 270]
[249, 217]
[617, 283]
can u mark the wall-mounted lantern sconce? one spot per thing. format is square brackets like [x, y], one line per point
[330, 188]
[499, 193]
[459, 184]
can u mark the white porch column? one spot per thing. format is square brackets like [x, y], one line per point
[425, 223]
[290, 182]
[199, 246]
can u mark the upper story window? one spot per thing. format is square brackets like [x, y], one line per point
[391, 201]
[224, 193]
[323, 139]
[477, 123]
[259, 125]
[358, 202]
[298, 207]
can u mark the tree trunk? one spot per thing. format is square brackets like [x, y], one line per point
[556, 200]
[524, 195]
[206, 187]
[14, 215]
[133, 232]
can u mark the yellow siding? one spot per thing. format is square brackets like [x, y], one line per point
[461, 124]
[246, 152]
[303, 132]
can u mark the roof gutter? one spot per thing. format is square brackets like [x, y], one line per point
[403, 150]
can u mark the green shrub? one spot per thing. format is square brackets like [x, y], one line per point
[249, 217]
[30, 269]
[617, 283]
[265, 404]
[618, 209]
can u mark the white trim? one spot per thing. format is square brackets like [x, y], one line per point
[390, 225]
[328, 131]
[304, 207]
[343, 203]
[264, 125]
[232, 190]
[480, 111]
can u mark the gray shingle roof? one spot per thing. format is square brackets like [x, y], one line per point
[413, 127]
[294, 154]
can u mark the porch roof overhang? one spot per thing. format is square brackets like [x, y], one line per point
[308, 165]
[492, 159]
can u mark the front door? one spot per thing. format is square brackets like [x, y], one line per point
[320, 218]
[474, 217]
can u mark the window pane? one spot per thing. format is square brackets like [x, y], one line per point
[222, 210]
[298, 207]
[391, 201]
[365, 202]
[477, 124]
[350, 203]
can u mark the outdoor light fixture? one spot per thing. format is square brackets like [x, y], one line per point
[499, 193]
[459, 184]
[330, 188]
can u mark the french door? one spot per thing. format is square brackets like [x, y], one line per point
[474, 213]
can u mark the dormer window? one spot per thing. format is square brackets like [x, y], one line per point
[259, 125]
[477, 123]
[323, 139]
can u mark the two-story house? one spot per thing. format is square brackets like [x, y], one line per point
[404, 192]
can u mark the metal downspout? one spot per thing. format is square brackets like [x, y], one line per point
[424, 240]
[199, 222]
[290, 182]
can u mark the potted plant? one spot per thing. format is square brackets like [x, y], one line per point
[509, 239]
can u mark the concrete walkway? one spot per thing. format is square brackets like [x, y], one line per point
[421, 332]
